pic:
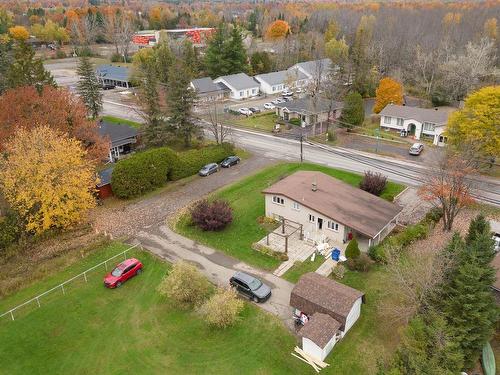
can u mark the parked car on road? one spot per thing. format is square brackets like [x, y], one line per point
[287, 98]
[416, 149]
[269, 106]
[230, 161]
[254, 109]
[298, 90]
[208, 169]
[108, 86]
[245, 111]
[122, 272]
[250, 287]
[278, 101]
[287, 93]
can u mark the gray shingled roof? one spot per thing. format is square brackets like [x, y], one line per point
[346, 204]
[205, 85]
[117, 73]
[240, 81]
[307, 105]
[105, 176]
[320, 329]
[119, 134]
[276, 78]
[312, 67]
[435, 115]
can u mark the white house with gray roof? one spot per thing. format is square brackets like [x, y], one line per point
[315, 69]
[241, 86]
[208, 91]
[417, 122]
[275, 82]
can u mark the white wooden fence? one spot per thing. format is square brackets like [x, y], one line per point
[60, 287]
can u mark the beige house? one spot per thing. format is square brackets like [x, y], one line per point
[309, 111]
[329, 209]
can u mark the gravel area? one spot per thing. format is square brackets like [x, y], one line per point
[127, 218]
[414, 208]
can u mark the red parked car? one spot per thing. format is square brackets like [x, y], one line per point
[122, 272]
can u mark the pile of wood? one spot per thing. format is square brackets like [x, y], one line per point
[316, 364]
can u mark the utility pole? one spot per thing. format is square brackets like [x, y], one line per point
[301, 147]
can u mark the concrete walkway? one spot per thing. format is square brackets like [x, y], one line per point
[217, 266]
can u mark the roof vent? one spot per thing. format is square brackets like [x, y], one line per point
[314, 186]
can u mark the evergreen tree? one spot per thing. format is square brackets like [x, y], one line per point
[163, 60]
[26, 70]
[353, 113]
[235, 55]
[5, 62]
[215, 64]
[180, 99]
[88, 87]
[477, 227]
[190, 57]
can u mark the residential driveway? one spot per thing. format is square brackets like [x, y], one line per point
[125, 220]
[217, 266]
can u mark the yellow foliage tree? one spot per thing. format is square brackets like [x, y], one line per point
[19, 33]
[491, 28]
[476, 127]
[278, 29]
[388, 91]
[46, 179]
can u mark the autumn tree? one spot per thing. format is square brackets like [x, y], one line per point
[19, 33]
[50, 32]
[46, 179]
[119, 28]
[88, 87]
[476, 127]
[55, 108]
[490, 28]
[279, 29]
[360, 58]
[389, 91]
[5, 21]
[448, 187]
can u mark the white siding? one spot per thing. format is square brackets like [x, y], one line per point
[240, 94]
[315, 351]
[353, 315]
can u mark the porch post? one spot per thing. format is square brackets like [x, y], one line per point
[301, 232]
[286, 245]
[283, 225]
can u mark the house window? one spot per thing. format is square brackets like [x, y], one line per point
[387, 120]
[278, 200]
[296, 206]
[333, 225]
[429, 126]
[254, 91]
[274, 88]
[400, 121]
[311, 218]
[241, 93]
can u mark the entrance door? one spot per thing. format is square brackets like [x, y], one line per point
[412, 128]
[320, 223]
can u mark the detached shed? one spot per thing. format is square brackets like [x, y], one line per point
[319, 335]
[104, 185]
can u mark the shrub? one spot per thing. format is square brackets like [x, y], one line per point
[143, 172]
[270, 252]
[377, 253]
[362, 263]
[60, 54]
[373, 183]
[295, 121]
[190, 162]
[434, 215]
[185, 285]
[352, 249]
[332, 135]
[10, 230]
[116, 58]
[222, 309]
[338, 272]
[212, 216]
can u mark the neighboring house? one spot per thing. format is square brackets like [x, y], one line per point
[240, 85]
[309, 110]
[122, 138]
[328, 208]
[331, 309]
[417, 122]
[208, 91]
[104, 185]
[275, 82]
[113, 75]
[315, 69]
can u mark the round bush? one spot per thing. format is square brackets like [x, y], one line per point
[222, 309]
[352, 249]
[212, 216]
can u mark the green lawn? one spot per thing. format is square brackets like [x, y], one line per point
[300, 268]
[247, 202]
[93, 330]
[118, 120]
[262, 121]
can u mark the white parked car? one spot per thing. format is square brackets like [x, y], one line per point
[278, 100]
[287, 93]
[245, 111]
[298, 90]
[269, 106]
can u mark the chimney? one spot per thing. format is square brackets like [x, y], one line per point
[314, 186]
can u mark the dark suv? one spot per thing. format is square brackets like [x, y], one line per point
[250, 287]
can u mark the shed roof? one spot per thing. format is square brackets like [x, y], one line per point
[119, 134]
[320, 329]
[437, 115]
[114, 72]
[239, 81]
[205, 85]
[308, 105]
[105, 176]
[317, 294]
[341, 202]
[276, 78]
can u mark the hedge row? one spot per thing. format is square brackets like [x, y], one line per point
[151, 169]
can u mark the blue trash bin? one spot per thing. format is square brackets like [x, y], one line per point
[335, 254]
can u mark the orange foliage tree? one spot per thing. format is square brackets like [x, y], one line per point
[56, 108]
[278, 29]
[388, 91]
[19, 33]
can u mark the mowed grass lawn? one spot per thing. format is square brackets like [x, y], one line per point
[262, 121]
[93, 330]
[247, 202]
